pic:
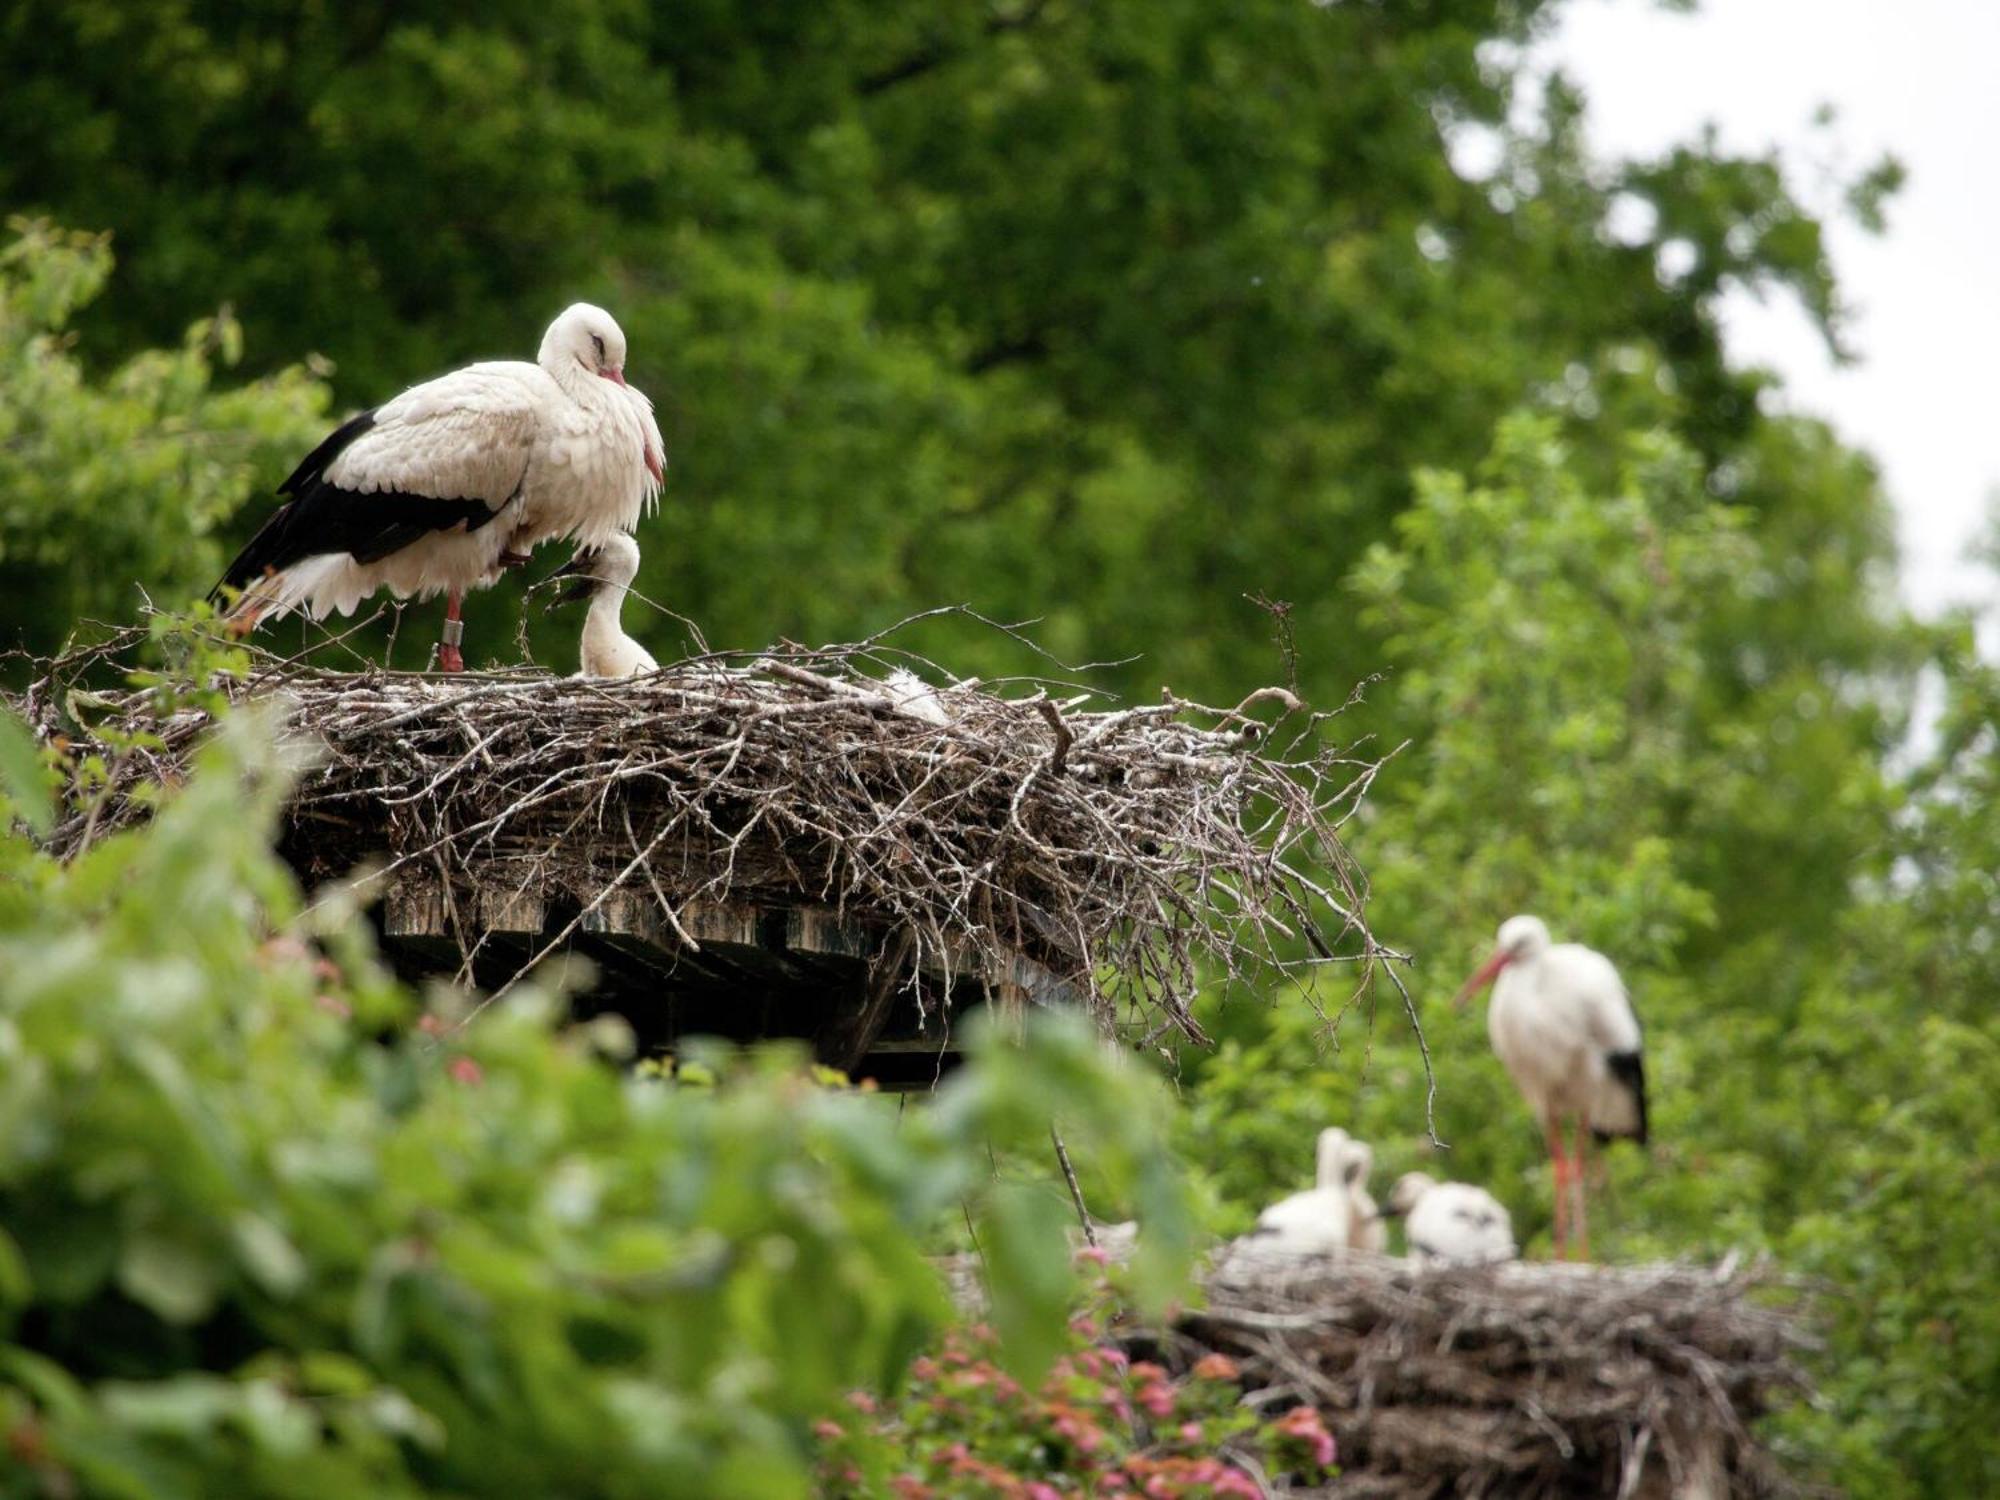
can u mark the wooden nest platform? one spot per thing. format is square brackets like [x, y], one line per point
[1524, 1381]
[784, 845]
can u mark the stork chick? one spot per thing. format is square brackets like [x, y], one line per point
[603, 575]
[1451, 1223]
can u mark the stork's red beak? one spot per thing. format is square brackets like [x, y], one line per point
[615, 375]
[1484, 977]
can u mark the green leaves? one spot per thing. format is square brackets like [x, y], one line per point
[114, 481]
[24, 780]
[311, 1249]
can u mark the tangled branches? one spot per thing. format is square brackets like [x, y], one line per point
[1519, 1380]
[1131, 852]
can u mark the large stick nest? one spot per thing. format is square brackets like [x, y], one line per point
[1525, 1381]
[1131, 852]
[1513, 1382]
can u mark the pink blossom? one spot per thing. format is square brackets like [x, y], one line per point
[1190, 1432]
[828, 1431]
[466, 1071]
[1216, 1367]
[1236, 1482]
[1303, 1423]
[1042, 1490]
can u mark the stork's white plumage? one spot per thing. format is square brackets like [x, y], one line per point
[1563, 1027]
[1451, 1223]
[406, 496]
[1321, 1219]
[915, 697]
[605, 573]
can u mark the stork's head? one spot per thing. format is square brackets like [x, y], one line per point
[1404, 1195]
[585, 336]
[1521, 938]
[1360, 1161]
[613, 565]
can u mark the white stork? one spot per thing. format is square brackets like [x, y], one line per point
[1451, 1223]
[1320, 1220]
[404, 497]
[604, 574]
[1563, 1027]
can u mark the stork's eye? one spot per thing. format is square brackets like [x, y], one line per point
[597, 343]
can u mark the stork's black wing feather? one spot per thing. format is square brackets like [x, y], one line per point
[1629, 1068]
[321, 518]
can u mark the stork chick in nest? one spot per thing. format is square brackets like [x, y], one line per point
[603, 574]
[1452, 1223]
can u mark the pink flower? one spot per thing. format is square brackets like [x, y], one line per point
[1236, 1482]
[1303, 1424]
[1095, 1255]
[467, 1072]
[1157, 1397]
[1190, 1432]
[1216, 1367]
[1041, 1490]
[862, 1402]
[829, 1431]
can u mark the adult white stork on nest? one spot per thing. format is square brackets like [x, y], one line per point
[1563, 1027]
[604, 575]
[436, 491]
[1451, 1223]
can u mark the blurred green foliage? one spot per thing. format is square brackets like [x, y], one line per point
[1103, 313]
[259, 1234]
[115, 484]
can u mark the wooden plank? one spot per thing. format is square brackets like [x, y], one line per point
[818, 929]
[512, 911]
[851, 1031]
[413, 909]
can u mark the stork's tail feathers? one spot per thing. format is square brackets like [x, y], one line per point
[1620, 1108]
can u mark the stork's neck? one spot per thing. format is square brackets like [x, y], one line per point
[601, 625]
[586, 387]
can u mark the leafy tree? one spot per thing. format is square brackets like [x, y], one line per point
[112, 485]
[1807, 937]
[1107, 313]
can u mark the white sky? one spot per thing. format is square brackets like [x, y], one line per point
[1914, 77]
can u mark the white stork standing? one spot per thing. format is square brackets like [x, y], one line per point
[1563, 1027]
[604, 574]
[1451, 1223]
[404, 497]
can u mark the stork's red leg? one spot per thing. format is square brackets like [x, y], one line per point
[1577, 1166]
[1559, 1163]
[449, 656]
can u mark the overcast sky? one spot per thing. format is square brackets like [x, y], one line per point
[1920, 78]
